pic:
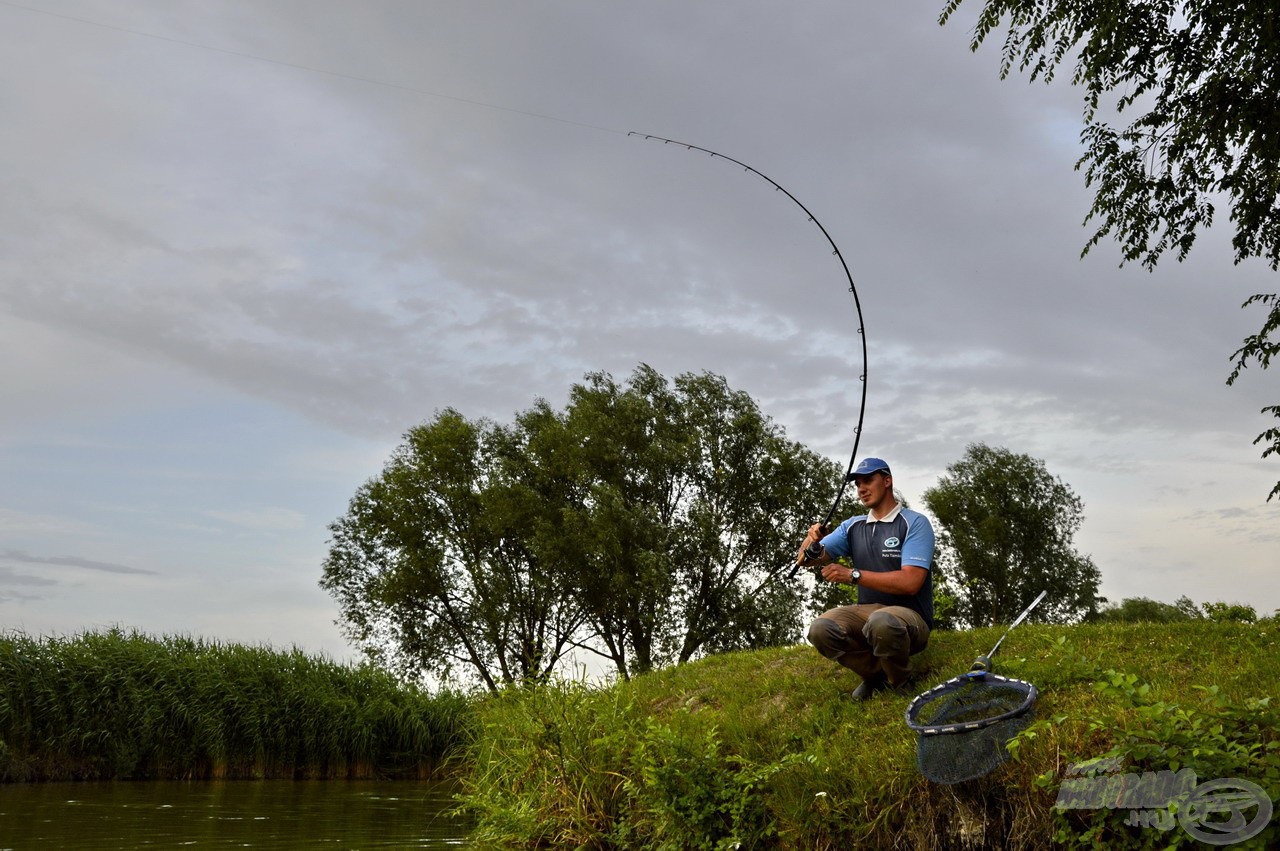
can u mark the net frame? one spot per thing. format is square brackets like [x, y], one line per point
[953, 687]
[950, 752]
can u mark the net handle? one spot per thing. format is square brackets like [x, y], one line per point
[968, 726]
[1017, 621]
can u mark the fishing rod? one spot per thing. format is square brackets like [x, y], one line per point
[857, 304]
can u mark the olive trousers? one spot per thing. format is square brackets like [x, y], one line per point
[871, 640]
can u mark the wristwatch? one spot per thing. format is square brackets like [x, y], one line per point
[854, 575]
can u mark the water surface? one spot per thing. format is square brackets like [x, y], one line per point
[271, 814]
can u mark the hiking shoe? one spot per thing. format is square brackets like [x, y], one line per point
[870, 687]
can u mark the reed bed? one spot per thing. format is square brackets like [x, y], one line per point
[122, 705]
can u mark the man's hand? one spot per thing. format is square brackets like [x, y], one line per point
[810, 550]
[837, 573]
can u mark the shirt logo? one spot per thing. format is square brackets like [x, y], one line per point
[891, 543]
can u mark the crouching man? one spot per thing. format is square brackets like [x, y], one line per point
[891, 553]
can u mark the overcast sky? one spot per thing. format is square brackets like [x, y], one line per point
[246, 244]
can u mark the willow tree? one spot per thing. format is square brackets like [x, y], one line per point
[647, 522]
[1202, 78]
[433, 566]
[693, 503]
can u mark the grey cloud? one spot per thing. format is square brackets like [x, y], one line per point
[541, 250]
[9, 578]
[363, 255]
[70, 561]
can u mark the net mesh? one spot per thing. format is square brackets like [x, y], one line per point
[965, 723]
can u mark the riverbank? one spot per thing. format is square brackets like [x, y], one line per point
[124, 706]
[765, 749]
[760, 749]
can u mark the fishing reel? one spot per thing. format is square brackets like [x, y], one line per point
[811, 552]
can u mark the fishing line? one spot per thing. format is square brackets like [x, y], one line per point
[857, 303]
[835, 249]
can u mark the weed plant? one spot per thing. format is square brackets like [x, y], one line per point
[121, 705]
[765, 749]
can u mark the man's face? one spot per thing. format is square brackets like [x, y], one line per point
[873, 489]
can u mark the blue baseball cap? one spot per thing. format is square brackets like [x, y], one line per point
[869, 466]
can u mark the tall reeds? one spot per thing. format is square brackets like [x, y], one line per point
[122, 705]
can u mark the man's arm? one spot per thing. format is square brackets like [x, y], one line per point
[917, 548]
[906, 581]
[917, 558]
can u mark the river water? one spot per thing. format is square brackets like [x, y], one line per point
[271, 814]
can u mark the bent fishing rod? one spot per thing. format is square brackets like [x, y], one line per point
[857, 304]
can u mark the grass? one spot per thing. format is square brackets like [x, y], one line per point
[764, 749]
[120, 705]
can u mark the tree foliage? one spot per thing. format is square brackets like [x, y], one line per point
[1204, 76]
[694, 502]
[1260, 347]
[1207, 74]
[647, 522]
[1144, 610]
[1230, 612]
[1006, 534]
[432, 565]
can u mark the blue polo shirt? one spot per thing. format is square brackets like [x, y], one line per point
[880, 545]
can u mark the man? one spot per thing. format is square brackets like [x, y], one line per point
[891, 553]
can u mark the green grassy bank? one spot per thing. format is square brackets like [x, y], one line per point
[765, 749]
[120, 705]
